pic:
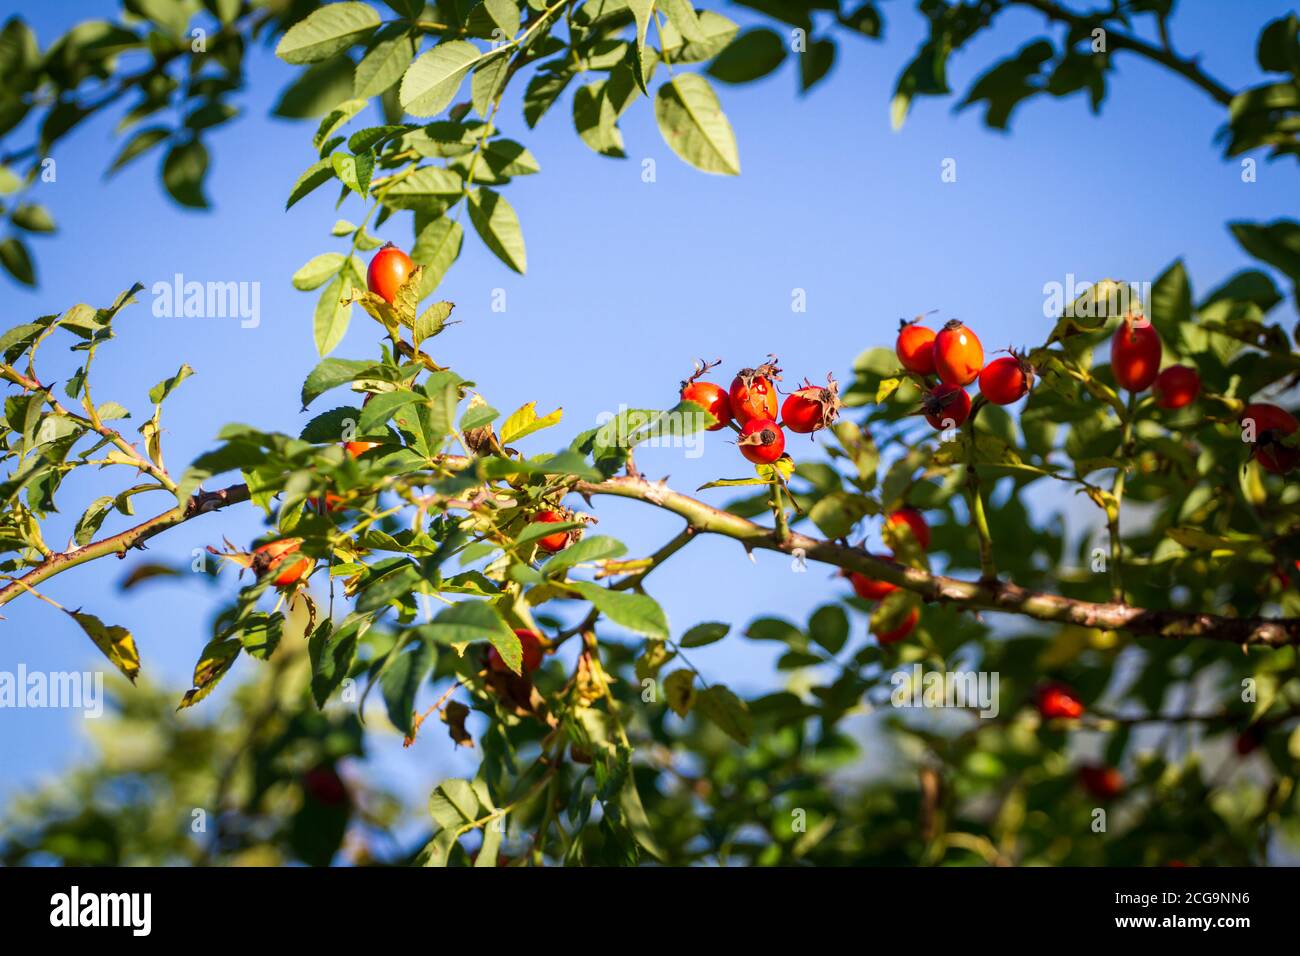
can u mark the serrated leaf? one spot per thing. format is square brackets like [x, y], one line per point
[329, 374]
[317, 173]
[524, 421]
[383, 66]
[318, 271]
[214, 661]
[327, 31]
[497, 225]
[332, 651]
[636, 612]
[431, 82]
[694, 127]
[401, 681]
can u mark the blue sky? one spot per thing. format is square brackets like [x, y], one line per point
[628, 282]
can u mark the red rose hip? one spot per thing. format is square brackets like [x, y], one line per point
[1176, 387]
[1006, 380]
[946, 406]
[915, 348]
[958, 354]
[388, 270]
[1135, 354]
[761, 441]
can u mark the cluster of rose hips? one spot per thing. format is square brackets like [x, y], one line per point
[870, 589]
[955, 355]
[750, 408]
[1135, 352]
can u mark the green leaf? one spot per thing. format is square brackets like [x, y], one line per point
[331, 373]
[836, 513]
[318, 271]
[505, 157]
[469, 621]
[1171, 302]
[498, 226]
[317, 90]
[712, 33]
[636, 612]
[489, 78]
[318, 172]
[431, 82]
[423, 187]
[594, 117]
[183, 171]
[753, 54]
[703, 634]
[453, 804]
[159, 392]
[139, 144]
[436, 248]
[382, 407]
[335, 119]
[333, 312]
[543, 90]
[32, 217]
[332, 651]
[728, 711]
[642, 10]
[17, 261]
[505, 14]
[477, 416]
[594, 548]
[401, 681]
[694, 127]
[354, 171]
[383, 66]
[326, 31]
[91, 520]
[829, 627]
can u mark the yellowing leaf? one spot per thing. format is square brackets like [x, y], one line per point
[525, 422]
[116, 643]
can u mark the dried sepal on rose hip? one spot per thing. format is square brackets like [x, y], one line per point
[274, 560]
[753, 392]
[1006, 380]
[761, 441]
[811, 407]
[711, 397]
[1271, 424]
[946, 406]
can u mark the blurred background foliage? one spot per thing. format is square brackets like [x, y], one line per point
[262, 776]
